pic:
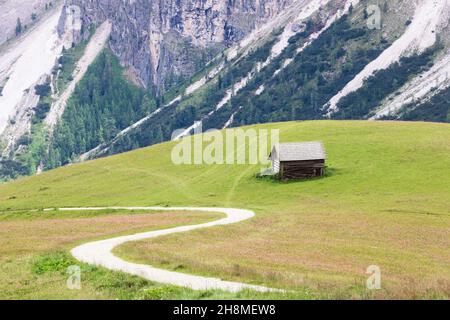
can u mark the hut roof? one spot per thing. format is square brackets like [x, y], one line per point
[299, 151]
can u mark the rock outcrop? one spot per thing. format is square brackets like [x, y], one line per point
[163, 42]
[25, 11]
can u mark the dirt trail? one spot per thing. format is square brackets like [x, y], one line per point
[100, 252]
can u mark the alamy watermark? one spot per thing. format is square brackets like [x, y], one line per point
[216, 147]
[74, 280]
[374, 280]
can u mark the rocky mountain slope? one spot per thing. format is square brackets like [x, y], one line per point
[181, 64]
[410, 44]
[159, 44]
[17, 16]
[165, 41]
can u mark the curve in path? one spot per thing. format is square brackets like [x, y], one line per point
[100, 252]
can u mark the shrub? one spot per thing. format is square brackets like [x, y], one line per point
[43, 90]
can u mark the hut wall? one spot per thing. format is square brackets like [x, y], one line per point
[302, 169]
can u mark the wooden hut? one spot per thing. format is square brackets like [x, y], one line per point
[298, 160]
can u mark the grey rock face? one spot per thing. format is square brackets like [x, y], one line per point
[26, 10]
[165, 41]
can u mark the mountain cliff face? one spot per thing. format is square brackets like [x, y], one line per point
[165, 42]
[322, 59]
[218, 63]
[27, 12]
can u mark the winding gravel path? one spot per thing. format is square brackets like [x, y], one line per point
[100, 252]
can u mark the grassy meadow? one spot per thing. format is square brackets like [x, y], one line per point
[385, 201]
[35, 245]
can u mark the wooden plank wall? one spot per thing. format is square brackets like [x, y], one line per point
[302, 169]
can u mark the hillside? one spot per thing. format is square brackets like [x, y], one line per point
[384, 202]
[219, 63]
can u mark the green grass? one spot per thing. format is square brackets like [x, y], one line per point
[384, 201]
[57, 214]
[34, 252]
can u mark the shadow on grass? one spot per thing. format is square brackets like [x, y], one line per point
[276, 179]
